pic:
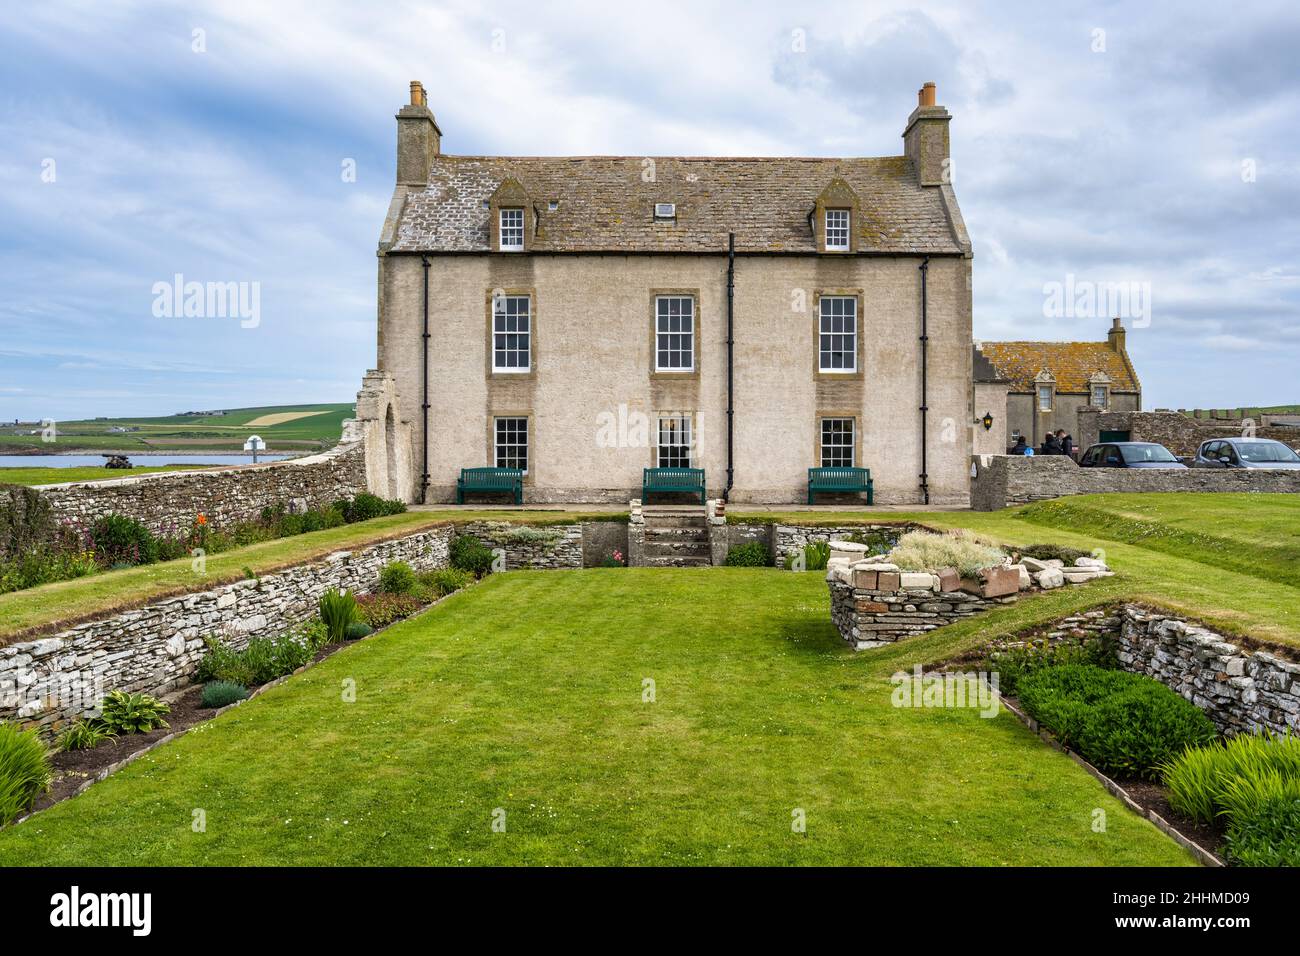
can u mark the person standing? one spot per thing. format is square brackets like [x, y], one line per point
[1066, 441]
[1050, 445]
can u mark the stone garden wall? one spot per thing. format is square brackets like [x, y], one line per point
[157, 648]
[524, 546]
[1001, 481]
[870, 616]
[166, 502]
[1238, 688]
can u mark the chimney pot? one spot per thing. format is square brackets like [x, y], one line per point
[927, 94]
[417, 94]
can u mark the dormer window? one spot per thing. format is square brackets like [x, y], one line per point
[837, 230]
[1100, 396]
[512, 230]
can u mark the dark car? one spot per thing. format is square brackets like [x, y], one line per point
[1245, 453]
[1129, 454]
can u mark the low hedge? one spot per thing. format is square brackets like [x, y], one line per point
[1123, 723]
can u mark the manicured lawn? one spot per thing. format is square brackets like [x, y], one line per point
[54, 476]
[525, 694]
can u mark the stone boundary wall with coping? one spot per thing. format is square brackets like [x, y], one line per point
[1238, 688]
[166, 502]
[1003, 481]
[1181, 434]
[157, 648]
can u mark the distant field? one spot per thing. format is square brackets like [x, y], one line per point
[54, 476]
[287, 427]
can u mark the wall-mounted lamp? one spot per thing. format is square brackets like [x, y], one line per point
[987, 421]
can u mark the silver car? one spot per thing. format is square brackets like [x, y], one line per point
[1245, 453]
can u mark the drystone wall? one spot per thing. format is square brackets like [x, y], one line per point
[1001, 481]
[167, 502]
[1240, 689]
[157, 648]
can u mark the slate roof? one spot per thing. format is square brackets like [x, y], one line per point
[1072, 363]
[603, 204]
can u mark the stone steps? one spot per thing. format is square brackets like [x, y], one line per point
[677, 561]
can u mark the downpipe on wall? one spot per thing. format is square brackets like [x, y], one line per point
[424, 396]
[731, 342]
[925, 407]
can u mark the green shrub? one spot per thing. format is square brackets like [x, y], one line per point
[117, 539]
[338, 609]
[222, 693]
[751, 554]
[545, 537]
[397, 577]
[223, 663]
[127, 713]
[470, 554]
[24, 771]
[816, 554]
[1014, 664]
[357, 630]
[444, 581]
[366, 506]
[380, 610]
[263, 660]
[84, 734]
[925, 551]
[1122, 723]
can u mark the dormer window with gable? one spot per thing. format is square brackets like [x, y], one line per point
[837, 230]
[511, 217]
[833, 215]
[512, 230]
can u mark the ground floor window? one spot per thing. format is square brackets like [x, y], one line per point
[512, 443]
[674, 447]
[837, 442]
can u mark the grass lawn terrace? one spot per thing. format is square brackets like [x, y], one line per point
[524, 694]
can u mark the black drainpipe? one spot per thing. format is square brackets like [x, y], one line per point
[424, 399]
[925, 341]
[731, 341]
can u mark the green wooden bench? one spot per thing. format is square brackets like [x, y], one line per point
[509, 480]
[853, 480]
[663, 480]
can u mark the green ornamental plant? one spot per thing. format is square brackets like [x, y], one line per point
[123, 712]
[84, 735]
[222, 693]
[397, 577]
[24, 771]
[338, 609]
[751, 554]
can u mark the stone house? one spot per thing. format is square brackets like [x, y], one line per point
[585, 317]
[1048, 383]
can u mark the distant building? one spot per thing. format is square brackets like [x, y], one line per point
[1048, 383]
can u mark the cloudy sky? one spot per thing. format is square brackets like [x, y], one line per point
[1106, 143]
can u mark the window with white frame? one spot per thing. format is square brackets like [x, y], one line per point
[511, 333]
[837, 443]
[838, 338]
[1100, 396]
[1045, 398]
[674, 333]
[511, 443]
[837, 229]
[674, 447]
[512, 230]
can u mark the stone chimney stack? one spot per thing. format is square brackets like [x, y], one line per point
[418, 139]
[1115, 337]
[925, 141]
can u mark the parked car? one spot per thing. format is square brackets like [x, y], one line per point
[1245, 453]
[1129, 454]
